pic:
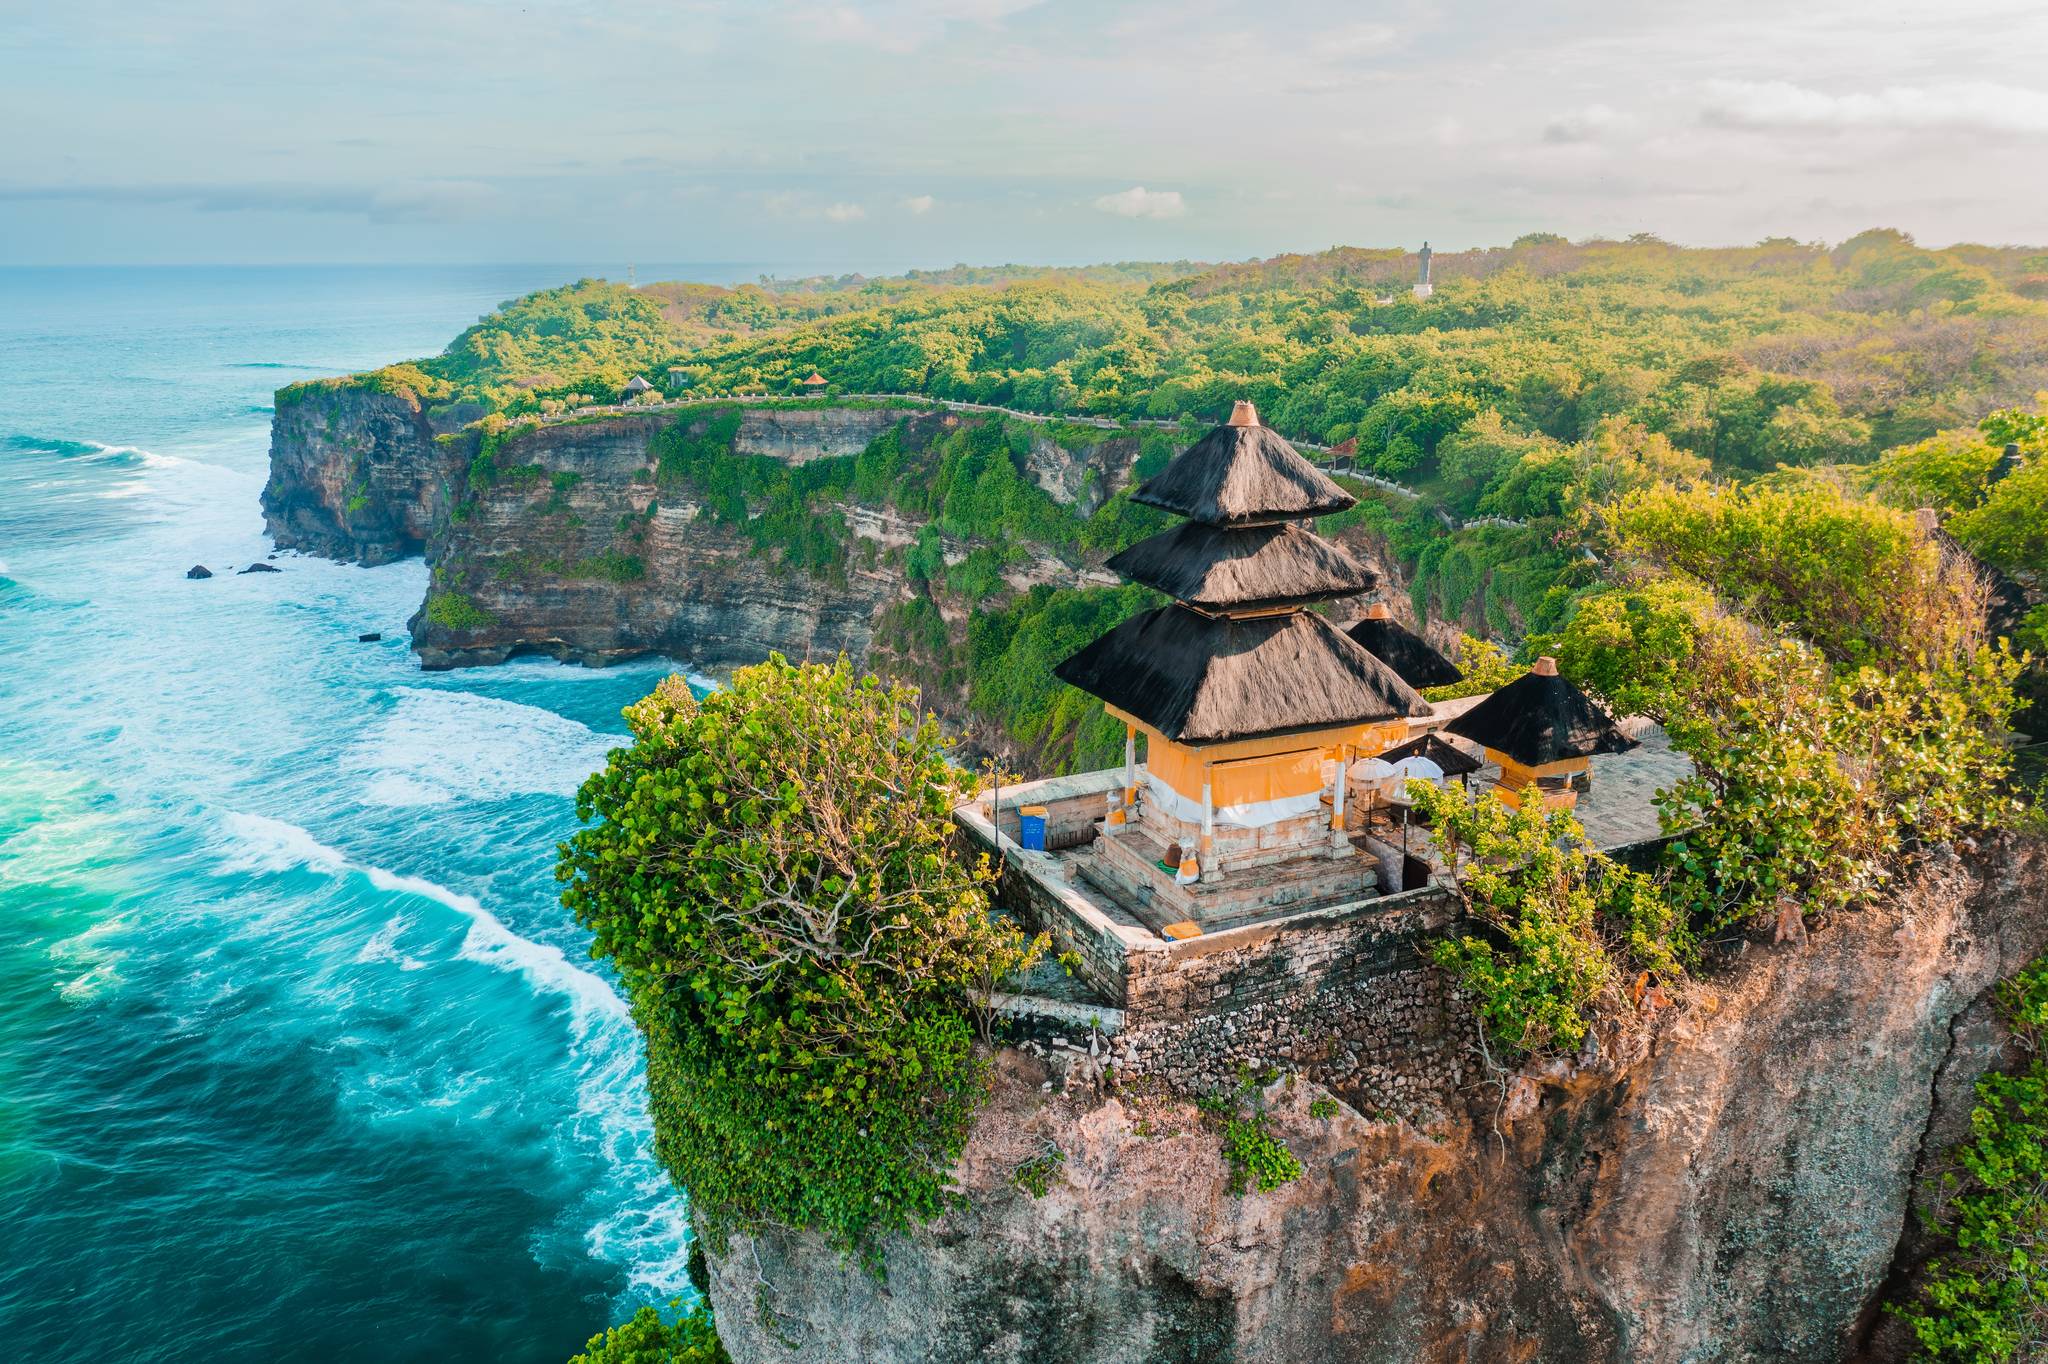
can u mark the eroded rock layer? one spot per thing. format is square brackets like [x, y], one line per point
[1739, 1193]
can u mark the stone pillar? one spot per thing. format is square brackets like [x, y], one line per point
[1130, 766]
[1337, 799]
[1210, 871]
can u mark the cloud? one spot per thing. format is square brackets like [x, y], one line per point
[1139, 202]
[1589, 124]
[1964, 105]
[412, 201]
[920, 204]
[844, 213]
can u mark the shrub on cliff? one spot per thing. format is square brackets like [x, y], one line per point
[771, 871]
[1567, 933]
[1809, 783]
[645, 1338]
[1853, 578]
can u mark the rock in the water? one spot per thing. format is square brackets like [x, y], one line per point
[262, 568]
[199, 571]
[370, 638]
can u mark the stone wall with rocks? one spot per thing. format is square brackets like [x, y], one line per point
[1342, 995]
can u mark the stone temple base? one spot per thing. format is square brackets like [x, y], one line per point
[1124, 864]
[1237, 850]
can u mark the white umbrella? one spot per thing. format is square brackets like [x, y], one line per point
[1375, 777]
[1412, 770]
[1418, 769]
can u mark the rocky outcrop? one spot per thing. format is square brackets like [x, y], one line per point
[1739, 1193]
[578, 550]
[356, 472]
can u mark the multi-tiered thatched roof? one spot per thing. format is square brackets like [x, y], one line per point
[1204, 679]
[1215, 568]
[1540, 718]
[1237, 658]
[1243, 474]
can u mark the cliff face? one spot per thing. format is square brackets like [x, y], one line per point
[356, 474]
[1739, 1193]
[581, 556]
[575, 551]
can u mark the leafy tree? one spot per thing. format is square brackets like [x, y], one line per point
[645, 1338]
[769, 869]
[2010, 529]
[1563, 927]
[1807, 783]
[1642, 649]
[1486, 666]
[1855, 579]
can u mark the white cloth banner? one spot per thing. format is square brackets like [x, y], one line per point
[1251, 815]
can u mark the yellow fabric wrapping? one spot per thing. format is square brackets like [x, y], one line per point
[1244, 782]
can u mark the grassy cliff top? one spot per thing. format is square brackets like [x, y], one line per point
[1779, 353]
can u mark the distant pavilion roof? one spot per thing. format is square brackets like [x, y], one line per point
[1453, 760]
[1206, 679]
[1249, 568]
[1540, 718]
[1401, 649]
[1243, 474]
[636, 384]
[816, 380]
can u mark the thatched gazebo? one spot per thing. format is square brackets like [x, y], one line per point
[1454, 761]
[636, 386]
[1407, 653]
[1542, 731]
[1241, 693]
[813, 386]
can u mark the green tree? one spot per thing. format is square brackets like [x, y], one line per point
[771, 872]
[1561, 925]
[645, 1338]
[1985, 1301]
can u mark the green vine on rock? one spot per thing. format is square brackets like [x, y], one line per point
[1986, 1301]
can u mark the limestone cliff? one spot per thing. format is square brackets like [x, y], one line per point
[575, 549]
[1738, 1193]
[356, 472]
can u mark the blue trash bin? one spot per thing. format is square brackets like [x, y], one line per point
[1031, 828]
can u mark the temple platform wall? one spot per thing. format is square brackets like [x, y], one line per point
[1341, 993]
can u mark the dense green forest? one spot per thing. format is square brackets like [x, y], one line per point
[1540, 384]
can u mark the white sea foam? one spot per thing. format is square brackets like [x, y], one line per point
[257, 843]
[436, 746]
[637, 1219]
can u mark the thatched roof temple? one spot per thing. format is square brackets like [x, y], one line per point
[1203, 679]
[1407, 653]
[1243, 695]
[1216, 568]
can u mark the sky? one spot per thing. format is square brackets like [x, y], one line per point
[892, 133]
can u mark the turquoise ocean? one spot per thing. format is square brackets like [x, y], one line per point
[299, 1056]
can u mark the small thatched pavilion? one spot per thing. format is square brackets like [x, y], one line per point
[1449, 758]
[1543, 731]
[812, 387]
[1241, 693]
[636, 386]
[1407, 653]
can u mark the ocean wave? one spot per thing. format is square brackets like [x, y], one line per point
[633, 1217]
[258, 843]
[436, 746]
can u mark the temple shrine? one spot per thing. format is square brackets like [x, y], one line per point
[1250, 706]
